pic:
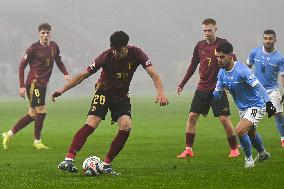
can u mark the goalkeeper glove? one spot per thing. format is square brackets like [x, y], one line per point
[270, 109]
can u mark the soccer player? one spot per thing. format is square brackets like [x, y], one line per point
[204, 55]
[250, 97]
[118, 65]
[40, 56]
[268, 63]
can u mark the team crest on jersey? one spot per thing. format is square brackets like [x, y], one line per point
[92, 65]
[148, 63]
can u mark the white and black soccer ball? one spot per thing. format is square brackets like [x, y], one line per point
[92, 166]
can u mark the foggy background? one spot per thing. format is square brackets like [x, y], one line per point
[167, 30]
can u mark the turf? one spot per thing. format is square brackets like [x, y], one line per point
[149, 157]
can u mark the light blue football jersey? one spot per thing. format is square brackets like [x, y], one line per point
[267, 66]
[240, 82]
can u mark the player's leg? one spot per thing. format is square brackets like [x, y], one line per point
[221, 109]
[199, 105]
[22, 122]
[120, 113]
[275, 97]
[258, 145]
[279, 119]
[97, 112]
[124, 124]
[41, 110]
[78, 141]
[241, 130]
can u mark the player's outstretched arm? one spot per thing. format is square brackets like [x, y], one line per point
[71, 83]
[161, 98]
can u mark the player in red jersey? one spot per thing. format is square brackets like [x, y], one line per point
[204, 55]
[41, 57]
[118, 65]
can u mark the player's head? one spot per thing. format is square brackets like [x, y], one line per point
[269, 39]
[209, 28]
[118, 43]
[44, 33]
[224, 54]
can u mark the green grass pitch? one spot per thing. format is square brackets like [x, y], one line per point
[148, 160]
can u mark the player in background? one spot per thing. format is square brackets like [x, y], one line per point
[250, 97]
[268, 63]
[118, 65]
[204, 55]
[40, 56]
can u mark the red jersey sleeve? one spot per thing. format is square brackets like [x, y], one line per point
[59, 62]
[23, 64]
[97, 63]
[143, 59]
[192, 67]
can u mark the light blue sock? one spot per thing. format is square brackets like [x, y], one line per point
[257, 143]
[246, 144]
[279, 119]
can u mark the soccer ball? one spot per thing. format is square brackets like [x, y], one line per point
[92, 166]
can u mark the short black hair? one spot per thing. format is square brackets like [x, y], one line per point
[269, 32]
[226, 48]
[208, 21]
[44, 26]
[118, 39]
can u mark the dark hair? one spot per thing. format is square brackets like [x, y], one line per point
[208, 21]
[226, 48]
[118, 39]
[44, 26]
[269, 32]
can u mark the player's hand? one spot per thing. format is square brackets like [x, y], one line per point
[179, 89]
[55, 95]
[270, 109]
[162, 100]
[282, 99]
[22, 92]
[67, 77]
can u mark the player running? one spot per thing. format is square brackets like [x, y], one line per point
[118, 65]
[204, 55]
[250, 97]
[268, 63]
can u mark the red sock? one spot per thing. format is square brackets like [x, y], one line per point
[23, 122]
[39, 124]
[116, 145]
[189, 139]
[233, 142]
[79, 140]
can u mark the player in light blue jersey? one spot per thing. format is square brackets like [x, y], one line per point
[250, 97]
[268, 63]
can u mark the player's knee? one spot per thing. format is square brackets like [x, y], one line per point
[125, 127]
[32, 113]
[240, 131]
[192, 117]
[224, 120]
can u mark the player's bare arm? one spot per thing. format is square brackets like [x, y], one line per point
[161, 98]
[71, 83]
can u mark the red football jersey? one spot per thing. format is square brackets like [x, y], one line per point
[204, 55]
[116, 75]
[41, 60]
